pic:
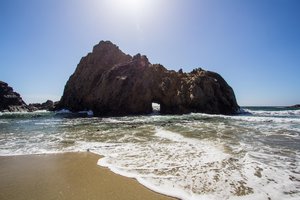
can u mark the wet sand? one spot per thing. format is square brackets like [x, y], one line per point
[66, 176]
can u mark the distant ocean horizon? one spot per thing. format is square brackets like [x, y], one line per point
[252, 155]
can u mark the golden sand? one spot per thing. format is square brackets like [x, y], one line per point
[66, 176]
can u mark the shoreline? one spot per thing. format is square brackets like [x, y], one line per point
[67, 176]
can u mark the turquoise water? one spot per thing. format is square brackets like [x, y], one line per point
[254, 155]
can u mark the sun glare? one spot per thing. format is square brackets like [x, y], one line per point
[129, 6]
[133, 15]
[132, 3]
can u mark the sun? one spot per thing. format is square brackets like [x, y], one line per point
[129, 6]
[132, 3]
[131, 13]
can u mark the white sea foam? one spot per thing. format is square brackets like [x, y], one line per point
[267, 119]
[88, 113]
[286, 113]
[12, 113]
[169, 135]
[3, 114]
[192, 169]
[63, 111]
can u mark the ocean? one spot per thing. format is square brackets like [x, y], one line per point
[253, 155]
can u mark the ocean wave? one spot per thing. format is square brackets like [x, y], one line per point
[249, 118]
[280, 113]
[24, 112]
[192, 156]
[20, 115]
[265, 119]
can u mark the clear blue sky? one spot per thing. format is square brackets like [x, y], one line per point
[253, 44]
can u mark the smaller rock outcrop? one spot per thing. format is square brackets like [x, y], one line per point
[11, 101]
[295, 106]
[48, 105]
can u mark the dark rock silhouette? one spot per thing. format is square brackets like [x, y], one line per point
[295, 106]
[48, 105]
[109, 82]
[11, 101]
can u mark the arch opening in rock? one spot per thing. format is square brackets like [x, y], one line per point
[155, 108]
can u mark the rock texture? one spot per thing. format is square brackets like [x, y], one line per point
[11, 101]
[110, 82]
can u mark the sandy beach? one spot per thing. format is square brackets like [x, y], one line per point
[66, 176]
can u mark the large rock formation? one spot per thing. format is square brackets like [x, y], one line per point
[11, 101]
[109, 82]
